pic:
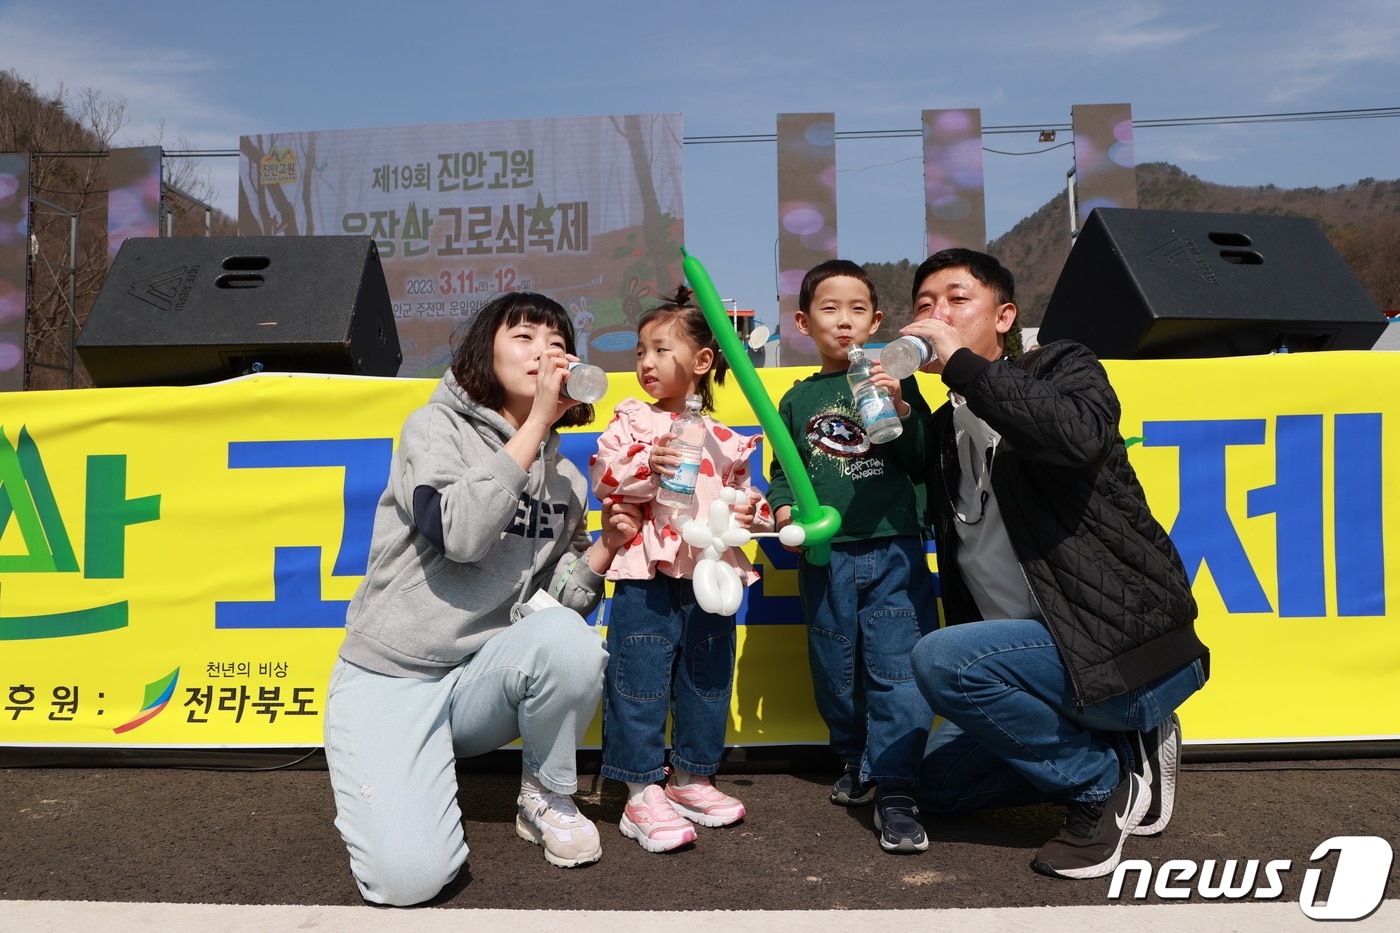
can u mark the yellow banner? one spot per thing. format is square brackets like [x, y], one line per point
[175, 562]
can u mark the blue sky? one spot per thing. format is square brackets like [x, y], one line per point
[204, 74]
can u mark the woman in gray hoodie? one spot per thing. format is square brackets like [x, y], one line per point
[467, 632]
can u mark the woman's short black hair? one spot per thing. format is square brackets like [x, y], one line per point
[474, 362]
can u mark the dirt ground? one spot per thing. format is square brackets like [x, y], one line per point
[230, 835]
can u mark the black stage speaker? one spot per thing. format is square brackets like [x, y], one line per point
[188, 310]
[1179, 284]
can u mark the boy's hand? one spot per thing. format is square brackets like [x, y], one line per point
[781, 519]
[890, 384]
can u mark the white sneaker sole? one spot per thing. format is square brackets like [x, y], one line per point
[531, 833]
[1163, 784]
[673, 839]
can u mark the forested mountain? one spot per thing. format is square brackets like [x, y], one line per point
[1361, 220]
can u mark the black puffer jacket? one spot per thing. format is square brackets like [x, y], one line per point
[1109, 582]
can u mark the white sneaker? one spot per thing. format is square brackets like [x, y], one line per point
[551, 820]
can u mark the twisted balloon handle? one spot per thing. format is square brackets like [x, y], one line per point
[819, 522]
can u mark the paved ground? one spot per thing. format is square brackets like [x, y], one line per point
[238, 837]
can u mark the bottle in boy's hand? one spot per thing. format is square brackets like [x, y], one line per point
[876, 406]
[678, 490]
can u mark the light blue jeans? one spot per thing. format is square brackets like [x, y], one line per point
[392, 745]
[665, 654]
[864, 613]
[1012, 734]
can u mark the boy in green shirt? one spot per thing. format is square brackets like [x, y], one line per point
[867, 608]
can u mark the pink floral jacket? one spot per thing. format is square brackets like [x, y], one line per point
[621, 468]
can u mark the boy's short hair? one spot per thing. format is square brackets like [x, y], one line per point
[830, 270]
[984, 268]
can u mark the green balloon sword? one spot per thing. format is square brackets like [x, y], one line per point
[819, 523]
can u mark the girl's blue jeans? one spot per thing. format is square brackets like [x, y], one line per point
[666, 655]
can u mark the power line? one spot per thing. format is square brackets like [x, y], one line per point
[1306, 116]
[1303, 116]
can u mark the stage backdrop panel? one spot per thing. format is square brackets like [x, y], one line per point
[588, 210]
[133, 195]
[14, 245]
[955, 196]
[175, 563]
[806, 218]
[1105, 166]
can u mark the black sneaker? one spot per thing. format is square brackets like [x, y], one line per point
[897, 819]
[1091, 841]
[850, 791]
[1161, 762]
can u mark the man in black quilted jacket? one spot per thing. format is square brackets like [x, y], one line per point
[1080, 641]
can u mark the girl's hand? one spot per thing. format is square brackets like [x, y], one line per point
[664, 459]
[890, 384]
[745, 509]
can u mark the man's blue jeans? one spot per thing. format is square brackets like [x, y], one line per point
[1012, 734]
[864, 613]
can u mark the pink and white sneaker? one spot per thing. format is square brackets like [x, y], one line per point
[705, 804]
[654, 823]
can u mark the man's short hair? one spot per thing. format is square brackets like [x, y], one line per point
[984, 268]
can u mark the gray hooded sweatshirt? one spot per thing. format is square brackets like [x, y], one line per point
[462, 537]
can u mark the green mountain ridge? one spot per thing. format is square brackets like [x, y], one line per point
[1361, 220]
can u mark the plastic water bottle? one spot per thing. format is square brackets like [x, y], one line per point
[585, 383]
[907, 355]
[876, 406]
[678, 490]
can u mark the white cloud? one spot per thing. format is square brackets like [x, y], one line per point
[159, 85]
[165, 90]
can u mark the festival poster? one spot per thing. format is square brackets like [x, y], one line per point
[588, 210]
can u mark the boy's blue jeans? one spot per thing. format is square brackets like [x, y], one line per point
[865, 611]
[1012, 734]
[665, 655]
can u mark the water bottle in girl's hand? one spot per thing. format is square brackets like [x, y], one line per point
[689, 427]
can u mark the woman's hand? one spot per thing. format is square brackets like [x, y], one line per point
[550, 400]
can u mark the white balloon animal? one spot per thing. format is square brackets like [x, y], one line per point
[717, 586]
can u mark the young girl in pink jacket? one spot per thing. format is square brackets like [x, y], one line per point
[666, 653]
